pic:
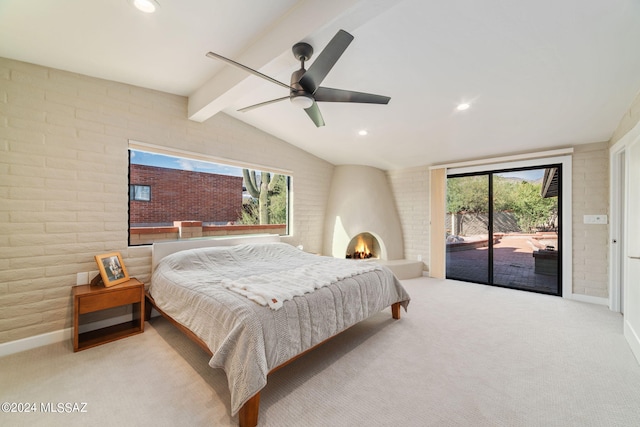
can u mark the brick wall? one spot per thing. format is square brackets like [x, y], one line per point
[590, 188]
[178, 195]
[64, 187]
[410, 188]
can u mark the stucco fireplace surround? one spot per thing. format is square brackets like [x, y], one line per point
[361, 201]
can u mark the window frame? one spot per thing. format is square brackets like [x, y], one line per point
[133, 193]
[199, 157]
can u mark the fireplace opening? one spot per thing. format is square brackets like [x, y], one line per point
[363, 246]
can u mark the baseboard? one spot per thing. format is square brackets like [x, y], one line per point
[29, 343]
[633, 339]
[589, 299]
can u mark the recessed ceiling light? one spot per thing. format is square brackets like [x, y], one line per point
[146, 6]
[362, 132]
[463, 106]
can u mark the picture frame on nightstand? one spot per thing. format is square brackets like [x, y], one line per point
[112, 269]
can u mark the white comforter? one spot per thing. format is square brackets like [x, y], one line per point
[219, 294]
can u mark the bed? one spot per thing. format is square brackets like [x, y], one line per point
[255, 307]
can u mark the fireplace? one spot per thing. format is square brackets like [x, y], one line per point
[361, 207]
[361, 203]
[363, 246]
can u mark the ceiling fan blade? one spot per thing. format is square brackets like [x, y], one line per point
[327, 94]
[262, 104]
[314, 113]
[316, 73]
[247, 69]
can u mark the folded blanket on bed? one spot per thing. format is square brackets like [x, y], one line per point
[273, 288]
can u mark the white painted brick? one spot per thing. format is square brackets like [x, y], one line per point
[590, 242]
[8, 228]
[411, 192]
[20, 321]
[24, 274]
[35, 329]
[20, 112]
[58, 316]
[19, 298]
[26, 181]
[41, 216]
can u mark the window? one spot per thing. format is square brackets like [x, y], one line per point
[140, 192]
[193, 198]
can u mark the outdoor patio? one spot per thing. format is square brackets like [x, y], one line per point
[514, 265]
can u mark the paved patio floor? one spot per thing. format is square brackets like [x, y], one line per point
[513, 266]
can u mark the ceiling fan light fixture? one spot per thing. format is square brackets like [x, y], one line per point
[303, 101]
[146, 6]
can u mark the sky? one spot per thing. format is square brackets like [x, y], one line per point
[529, 175]
[180, 163]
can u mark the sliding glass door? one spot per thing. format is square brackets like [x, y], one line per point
[503, 228]
[468, 228]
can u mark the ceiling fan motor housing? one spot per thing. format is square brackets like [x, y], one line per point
[296, 88]
[297, 94]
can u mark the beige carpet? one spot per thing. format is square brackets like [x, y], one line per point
[464, 355]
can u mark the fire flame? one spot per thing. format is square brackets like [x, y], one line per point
[361, 247]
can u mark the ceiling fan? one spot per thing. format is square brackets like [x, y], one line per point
[305, 89]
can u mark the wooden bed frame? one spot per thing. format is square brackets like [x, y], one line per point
[248, 414]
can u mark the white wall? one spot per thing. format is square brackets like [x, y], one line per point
[63, 182]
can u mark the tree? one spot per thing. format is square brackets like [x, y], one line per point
[278, 201]
[467, 194]
[470, 195]
[531, 209]
[270, 191]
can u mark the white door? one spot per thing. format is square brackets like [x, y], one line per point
[632, 273]
[618, 242]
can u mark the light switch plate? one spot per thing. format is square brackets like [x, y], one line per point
[595, 219]
[82, 278]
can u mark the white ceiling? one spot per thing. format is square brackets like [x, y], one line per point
[539, 74]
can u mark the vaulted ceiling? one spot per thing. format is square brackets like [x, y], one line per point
[537, 74]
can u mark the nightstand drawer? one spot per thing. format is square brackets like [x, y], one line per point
[91, 303]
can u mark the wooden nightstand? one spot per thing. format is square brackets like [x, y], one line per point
[90, 298]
